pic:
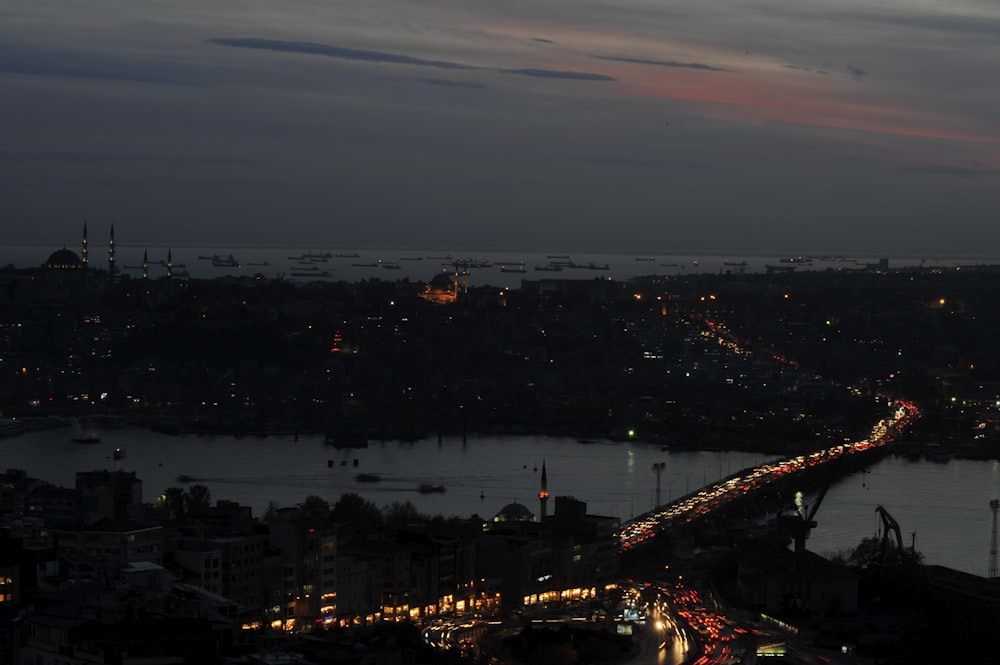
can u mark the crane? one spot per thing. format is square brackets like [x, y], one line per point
[888, 524]
[802, 521]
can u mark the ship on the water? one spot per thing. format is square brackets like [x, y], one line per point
[228, 261]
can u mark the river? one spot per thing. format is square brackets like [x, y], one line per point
[944, 506]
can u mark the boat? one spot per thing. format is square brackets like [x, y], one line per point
[349, 255]
[645, 258]
[513, 268]
[557, 256]
[118, 454]
[83, 435]
[228, 261]
[427, 488]
[935, 452]
[259, 263]
[365, 265]
[368, 477]
[391, 266]
[553, 268]
[411, 258]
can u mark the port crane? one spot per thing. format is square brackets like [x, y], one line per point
[889, 523]
[803, 520]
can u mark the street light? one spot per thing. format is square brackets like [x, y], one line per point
[658, 468]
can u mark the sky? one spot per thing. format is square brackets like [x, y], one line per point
[624, 125]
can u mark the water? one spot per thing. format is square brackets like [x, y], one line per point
[423, 265]
[945, 504]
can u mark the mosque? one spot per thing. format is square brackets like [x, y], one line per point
[66, 279]
[558, 557]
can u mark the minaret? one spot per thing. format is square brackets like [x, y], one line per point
[83, 248]
[145, 264]
[170, 265]
[111, 253]
[543, 495]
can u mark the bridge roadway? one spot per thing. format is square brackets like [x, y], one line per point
[772, 476]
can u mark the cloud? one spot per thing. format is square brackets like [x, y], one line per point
[450, 83]
[340, 52]
[662, 63]
[856, 72]
[803, 68]
[558, 74]
[344, 53]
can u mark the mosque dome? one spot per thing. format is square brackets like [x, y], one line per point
[441, 280]
[64, 258]
[514, 512]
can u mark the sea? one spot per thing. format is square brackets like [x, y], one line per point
[942, 508]
[483, 267]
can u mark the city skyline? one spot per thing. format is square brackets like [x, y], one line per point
[838, 128]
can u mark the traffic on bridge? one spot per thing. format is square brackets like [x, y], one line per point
[714, 497]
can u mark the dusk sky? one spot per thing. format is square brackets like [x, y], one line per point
[628, 125]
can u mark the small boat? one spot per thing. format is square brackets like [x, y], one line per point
[427, 488]
[119, 453]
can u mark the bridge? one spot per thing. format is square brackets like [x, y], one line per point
[758, 480]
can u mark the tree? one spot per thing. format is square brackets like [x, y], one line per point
[314, 511]
[199, 498]
[271, 512]
[351, 507]
[401, 513]
[176, 500]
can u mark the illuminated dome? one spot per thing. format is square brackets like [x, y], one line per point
[442, 280]
[63, 258]
[514, 512]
